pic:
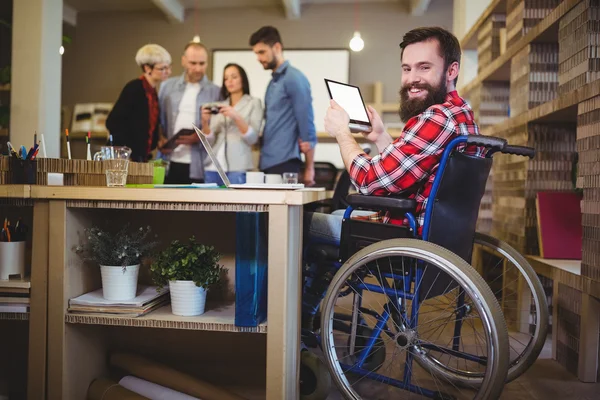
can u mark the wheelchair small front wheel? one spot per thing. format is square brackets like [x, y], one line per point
[442, 329]
[315, 380]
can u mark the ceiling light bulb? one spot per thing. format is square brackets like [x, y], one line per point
[61, 50]
[196, 39]
[356, 43]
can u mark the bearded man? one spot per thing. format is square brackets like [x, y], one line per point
[433, 113]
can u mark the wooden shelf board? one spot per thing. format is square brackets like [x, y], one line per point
[6, 316]
[546, 31]
[4, 132]
[216, 318]
[570, 266]
[561, 109]
[16, 284]
[469, 41]
[5, 87]
[15, 191]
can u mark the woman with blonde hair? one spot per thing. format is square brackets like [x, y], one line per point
[133, 121]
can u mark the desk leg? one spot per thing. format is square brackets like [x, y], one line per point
[588, 339]
[283, 311]
[56, 304]
[38, 316]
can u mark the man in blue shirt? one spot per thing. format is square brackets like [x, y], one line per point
[289, 118]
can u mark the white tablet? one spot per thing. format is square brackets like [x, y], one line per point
[350, 99]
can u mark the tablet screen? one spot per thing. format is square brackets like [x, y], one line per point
[350, 99]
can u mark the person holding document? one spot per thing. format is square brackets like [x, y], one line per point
[232, 127]
[181, 99]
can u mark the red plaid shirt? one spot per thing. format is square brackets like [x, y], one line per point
[152, 111]
[414, 157]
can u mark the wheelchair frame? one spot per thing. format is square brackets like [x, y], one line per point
[413, 275]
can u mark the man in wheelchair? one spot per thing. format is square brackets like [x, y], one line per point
[433, 113]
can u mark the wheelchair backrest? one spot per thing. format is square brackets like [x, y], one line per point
[453, 218]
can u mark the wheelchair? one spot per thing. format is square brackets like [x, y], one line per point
[432, 328]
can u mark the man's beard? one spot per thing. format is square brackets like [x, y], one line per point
[412, 107]
[271, 64]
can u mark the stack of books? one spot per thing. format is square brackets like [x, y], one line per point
[148, 298]
[14, 296]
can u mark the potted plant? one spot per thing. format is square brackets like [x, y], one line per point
[119, 256]
[190, 269]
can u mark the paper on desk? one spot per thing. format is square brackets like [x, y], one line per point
[145, 294]
[190, 186]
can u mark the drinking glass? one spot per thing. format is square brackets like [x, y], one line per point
[290, 178]
[116, 163]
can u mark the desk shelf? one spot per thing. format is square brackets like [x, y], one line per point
[216, 318]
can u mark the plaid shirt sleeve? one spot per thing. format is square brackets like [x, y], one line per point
[407, 161]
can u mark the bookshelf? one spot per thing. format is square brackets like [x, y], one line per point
[545, 32]
[561, 129]
[81, 342]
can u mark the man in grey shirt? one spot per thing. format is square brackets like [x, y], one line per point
[289, 119]
[180, 99]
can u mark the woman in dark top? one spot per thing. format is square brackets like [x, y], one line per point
[133, 120]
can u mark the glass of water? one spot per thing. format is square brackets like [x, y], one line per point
[290, 178]
[115, 164]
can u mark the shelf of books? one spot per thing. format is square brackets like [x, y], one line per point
[538, 86]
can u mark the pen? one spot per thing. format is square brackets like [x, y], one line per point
[87, 140]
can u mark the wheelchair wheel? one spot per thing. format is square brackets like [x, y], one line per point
[315, 381]
[521, 296]
[438, 301]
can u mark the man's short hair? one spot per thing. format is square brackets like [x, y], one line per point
[268, 35]
[448, 43]
[197, 45]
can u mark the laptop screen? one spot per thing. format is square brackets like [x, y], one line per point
[212, 156]
[350, 99]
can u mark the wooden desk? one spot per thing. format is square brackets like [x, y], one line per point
[76, 354]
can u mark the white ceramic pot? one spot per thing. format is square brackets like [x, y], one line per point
[119, 283]
[187, 299]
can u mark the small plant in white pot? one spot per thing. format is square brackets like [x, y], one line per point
[119, 256]
[190, 269]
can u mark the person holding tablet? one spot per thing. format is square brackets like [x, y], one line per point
[434, 114]
[232, 127]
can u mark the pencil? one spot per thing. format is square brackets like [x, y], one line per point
[68, 144]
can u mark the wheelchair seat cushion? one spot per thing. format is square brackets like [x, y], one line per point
[383, 203]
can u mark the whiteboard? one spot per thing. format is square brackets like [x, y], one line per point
[315, 64]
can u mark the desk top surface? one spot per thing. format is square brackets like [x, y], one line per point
[192, 195]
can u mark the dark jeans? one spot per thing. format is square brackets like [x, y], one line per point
[179, 174]
[288, 166]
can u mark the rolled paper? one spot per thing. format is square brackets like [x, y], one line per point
[105, 389]
[166, 376]
[152, 390]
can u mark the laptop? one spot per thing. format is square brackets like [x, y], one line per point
[225, 179]
[350, 99]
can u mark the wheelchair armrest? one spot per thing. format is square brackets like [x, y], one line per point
[382, 203]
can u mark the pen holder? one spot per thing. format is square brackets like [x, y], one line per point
[23, 172]
[12, 259]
